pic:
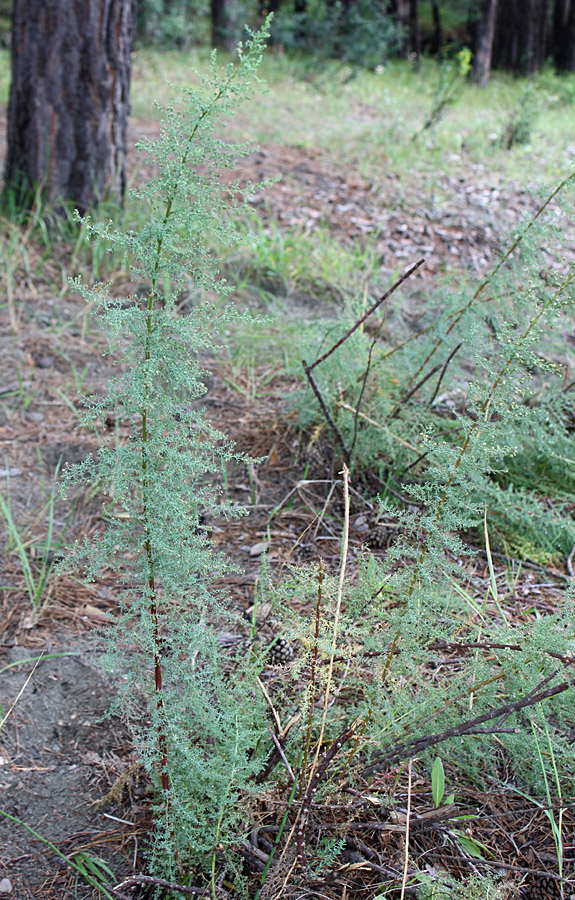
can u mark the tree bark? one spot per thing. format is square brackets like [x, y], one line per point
[484, 34]
[69, 100]
[563, 37]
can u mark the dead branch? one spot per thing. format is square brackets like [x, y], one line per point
[369, 312]
[158, 882]
[337, 434]
[399, 752]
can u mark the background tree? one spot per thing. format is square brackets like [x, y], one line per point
[406, 16]
[563, 36]
[171, 23]
[414, 32]
[69, 100]
[436, 44]
[521, 35]
[484, 33]
[224, 14]
[400, 12]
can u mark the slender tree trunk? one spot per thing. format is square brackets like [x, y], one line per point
[69, 100]
[401, 16]
[414, 34]
[300, 10]
[224, 15]
[563, 35]
[437, 39]
[484, 34]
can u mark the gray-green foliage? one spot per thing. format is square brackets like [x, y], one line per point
[199, 732]
[508, 413]
[504, 387]
[519, 124]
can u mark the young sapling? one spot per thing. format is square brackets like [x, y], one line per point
[199, 728]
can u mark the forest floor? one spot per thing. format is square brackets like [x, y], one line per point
[69, 771]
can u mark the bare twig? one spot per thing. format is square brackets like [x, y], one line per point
[398, 752]
[369, 312]
[314, 386]
[318, 770]
[280, 750]
[443, 371]
[457, 645]
[412, 465]
[329, 418]
[314, 783]
[403, 400]
[360, 398]
[479, 290]
[159, 882]
[314, 663]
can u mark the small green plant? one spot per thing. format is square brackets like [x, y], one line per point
[386, 391]
[438, 784]
[452, 75]
[93, 870]
[519, 125]
[200, 735]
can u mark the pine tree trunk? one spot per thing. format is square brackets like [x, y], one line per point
[484, 34]
[563, 40]
[69, 100]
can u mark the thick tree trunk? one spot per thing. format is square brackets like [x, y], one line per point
[69, 99]
[563, 41]
[224, 15]
[484, 34]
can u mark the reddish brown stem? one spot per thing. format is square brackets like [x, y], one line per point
[162, 737]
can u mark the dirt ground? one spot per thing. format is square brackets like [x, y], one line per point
[59, 754]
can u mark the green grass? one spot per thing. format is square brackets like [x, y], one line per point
[4, 74]
[368, 119]
[288, 263]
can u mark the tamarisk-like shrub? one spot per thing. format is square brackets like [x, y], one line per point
[198, 732]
